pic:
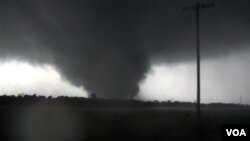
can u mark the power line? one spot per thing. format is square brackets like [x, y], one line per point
[197, 8]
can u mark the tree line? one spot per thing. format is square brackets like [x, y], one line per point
[93, 102]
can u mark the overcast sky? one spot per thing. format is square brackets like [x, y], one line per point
[128, 48]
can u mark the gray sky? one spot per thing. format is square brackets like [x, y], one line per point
[111, 47]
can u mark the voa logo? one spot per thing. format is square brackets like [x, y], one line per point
[236, 132]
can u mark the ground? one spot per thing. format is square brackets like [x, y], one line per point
[39, 123]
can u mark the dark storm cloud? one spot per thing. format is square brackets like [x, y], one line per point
[106, 45]
[171, 37]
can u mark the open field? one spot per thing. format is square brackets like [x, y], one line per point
[40, 123]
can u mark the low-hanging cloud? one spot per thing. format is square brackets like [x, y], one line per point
[107, 46]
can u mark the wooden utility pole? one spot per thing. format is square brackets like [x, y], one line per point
[197, 8]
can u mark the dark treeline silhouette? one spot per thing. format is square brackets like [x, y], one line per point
[93, 102]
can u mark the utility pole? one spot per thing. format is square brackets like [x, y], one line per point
[197, 8]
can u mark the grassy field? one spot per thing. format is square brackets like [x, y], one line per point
[41, 123]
